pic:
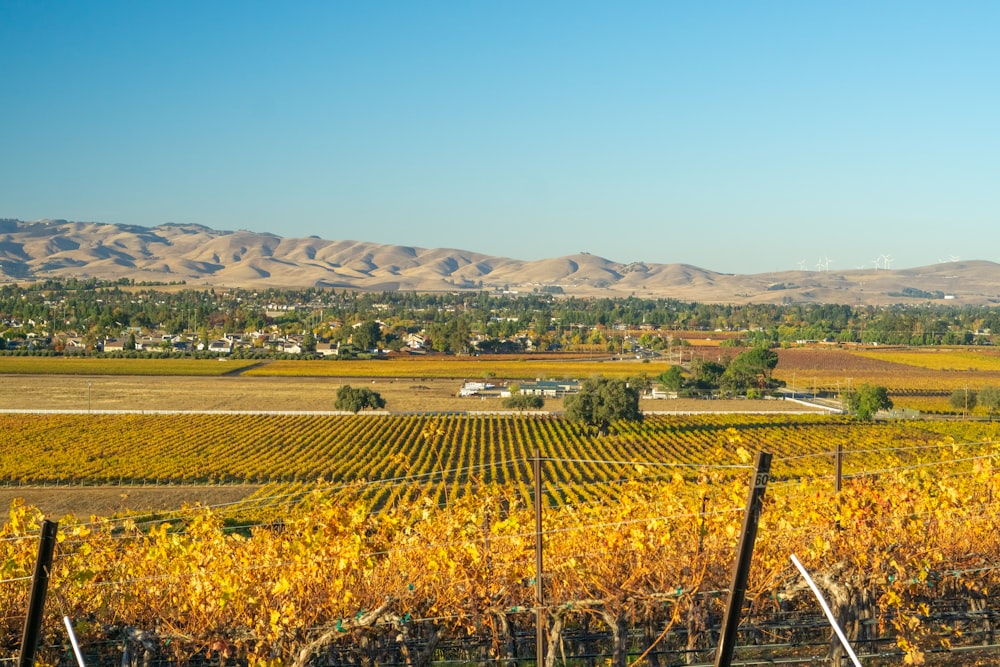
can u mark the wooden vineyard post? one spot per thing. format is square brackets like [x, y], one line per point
[839, 480]
[741, 569]
[539, 592]
[39, 588]
[840, 467]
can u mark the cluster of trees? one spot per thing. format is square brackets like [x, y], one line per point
[749, 373]
[603, 400]
[356, 399]
[867, 400]
[99, 308]
[966, 400]
[520, 401]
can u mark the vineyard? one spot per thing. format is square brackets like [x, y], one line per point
[452, 454]
[522, 368]
[119, 366]
[410, 539]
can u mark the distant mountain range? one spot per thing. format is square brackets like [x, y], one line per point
[199, 256]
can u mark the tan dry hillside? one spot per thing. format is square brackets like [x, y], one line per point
[199, 255]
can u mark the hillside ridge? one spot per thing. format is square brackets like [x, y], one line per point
[199, 255]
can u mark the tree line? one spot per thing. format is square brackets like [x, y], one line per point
[503, 322]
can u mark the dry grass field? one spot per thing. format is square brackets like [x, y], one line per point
[53, 392]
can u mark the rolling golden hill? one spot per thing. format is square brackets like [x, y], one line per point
[199, 255]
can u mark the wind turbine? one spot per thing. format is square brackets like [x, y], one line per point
[802, 265]
[888, 261]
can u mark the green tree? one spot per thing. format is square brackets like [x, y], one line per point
[750, 370]
[309, 342]
[524, 401]
[450, 336]
[603, 400]
[356, 399]
[989, 398]
[672, 379]
[706, 374]
[367, 335]
[963, 400]
[642, 383]
[868, 399]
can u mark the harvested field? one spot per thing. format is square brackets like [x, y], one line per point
[834, 369]
[52, 392]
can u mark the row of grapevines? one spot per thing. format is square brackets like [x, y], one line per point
[894, 545]
[449, 456]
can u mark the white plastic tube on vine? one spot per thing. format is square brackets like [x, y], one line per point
[826, 610]
[72, 640]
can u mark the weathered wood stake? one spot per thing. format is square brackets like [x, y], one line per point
[741, 569]
[539, 592]
[39, 588]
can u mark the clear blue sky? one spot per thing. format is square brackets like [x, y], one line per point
[736, 136]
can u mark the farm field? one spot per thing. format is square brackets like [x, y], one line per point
[449, 455]
[429, 382]
[917, 379]
[520, 367]
[239, 392]
[74, 365]
[85, 501]
[423, 523]
[901, 371]
[473, 368]
[266, 537]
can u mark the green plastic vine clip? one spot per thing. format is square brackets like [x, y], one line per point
[340, 627]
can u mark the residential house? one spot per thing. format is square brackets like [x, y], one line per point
[221, 346]
[414, 341]
[328, 349]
